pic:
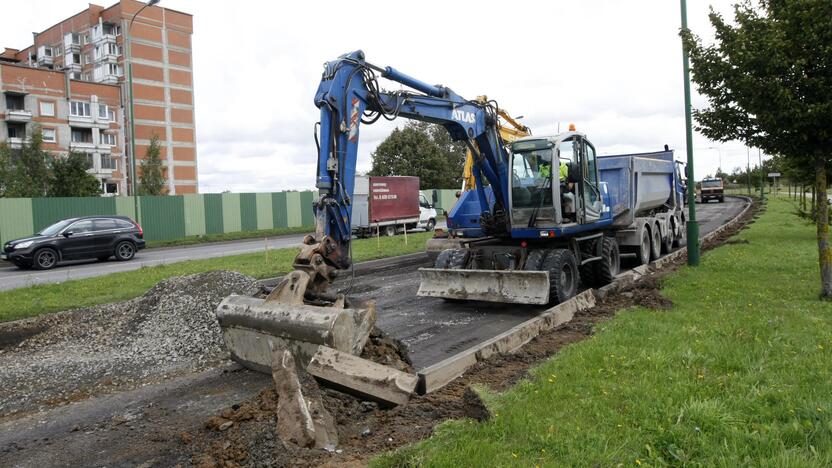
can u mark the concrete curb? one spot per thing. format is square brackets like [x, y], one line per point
[438, 375]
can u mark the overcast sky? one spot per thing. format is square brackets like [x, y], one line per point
[613, 68]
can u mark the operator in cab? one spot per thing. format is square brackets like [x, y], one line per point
[566, 189]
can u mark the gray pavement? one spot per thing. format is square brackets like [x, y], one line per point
[12, 277]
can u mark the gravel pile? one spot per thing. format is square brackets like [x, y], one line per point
[169, 330]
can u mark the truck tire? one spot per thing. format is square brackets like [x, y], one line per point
[431, 224]
[656, 242]
[534, 259]
[443, 259]
[390, 230]
[680, 240]
[722, 199]
[606, 269]
[643, 250]
[563, 275]
[667, 241]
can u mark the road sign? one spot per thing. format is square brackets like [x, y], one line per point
[774, 174]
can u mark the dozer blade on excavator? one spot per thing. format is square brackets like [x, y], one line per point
[509, 286]
[298, 315]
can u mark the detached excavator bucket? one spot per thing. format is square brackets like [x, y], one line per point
[517, 287]
[252, 327]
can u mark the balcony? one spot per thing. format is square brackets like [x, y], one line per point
[15, 143]
[18, 115]
[103, 39]
[72, 43]
[45, 60]
[84, 121]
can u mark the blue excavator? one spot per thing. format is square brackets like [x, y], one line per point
[546, 213]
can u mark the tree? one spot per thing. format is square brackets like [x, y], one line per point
[70, 177]
[28, 173]
[152, 180]
[424, 150]
[5, 167]
[767, 79]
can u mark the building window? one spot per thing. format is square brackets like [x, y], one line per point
[49, 135]
[86, 76]
[58, 51]
[76, 59]
[102, 111]
[76, 75]
[81, 135]
[16, 130]
[86, 39]
[14, 102]
[111, 115]
[79, 109]
[108, 139]
[90, 161]
[47, 51]
[108, 162]
[47, 109]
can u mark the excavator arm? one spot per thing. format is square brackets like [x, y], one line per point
[348, 96]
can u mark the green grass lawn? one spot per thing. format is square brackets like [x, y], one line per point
[737, 373]
[39, 299]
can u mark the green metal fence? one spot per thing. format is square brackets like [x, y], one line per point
[175, 217]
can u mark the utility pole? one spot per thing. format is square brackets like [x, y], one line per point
[133, 190]
[692, 225]
[748, 169]
[762, 177]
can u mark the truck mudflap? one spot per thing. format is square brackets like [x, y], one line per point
[508, 286]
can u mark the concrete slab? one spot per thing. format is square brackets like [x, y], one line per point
[440, 374]
[363, 377]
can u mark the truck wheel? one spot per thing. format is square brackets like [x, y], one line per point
[443, 259]
[656, 244]
[722, 199]
[390, 230]
[431, 225]
[606, 269]
[643, 250]
[563, 275]
[534, 259]
[667, 241]
[680, 240]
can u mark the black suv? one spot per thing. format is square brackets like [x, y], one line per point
[85, 237]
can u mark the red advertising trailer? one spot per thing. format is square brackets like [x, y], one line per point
[385, 204]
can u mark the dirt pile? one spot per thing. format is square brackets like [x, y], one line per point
[387, 350]
[172, 328]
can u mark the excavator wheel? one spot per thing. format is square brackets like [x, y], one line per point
[563, 275]
[534, 259]
[606, 269]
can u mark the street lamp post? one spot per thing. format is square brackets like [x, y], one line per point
[692, 225]
[132, 112]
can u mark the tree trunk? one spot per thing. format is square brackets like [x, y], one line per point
[822, 220]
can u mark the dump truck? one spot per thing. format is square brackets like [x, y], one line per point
[388, 205]
[544, 212]
[711, 189]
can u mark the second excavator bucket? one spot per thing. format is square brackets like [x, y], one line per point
[511, 286]
[295, 316]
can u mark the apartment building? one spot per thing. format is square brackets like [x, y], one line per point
[96, 46]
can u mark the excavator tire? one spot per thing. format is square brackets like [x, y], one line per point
[563, 275]
[587, 271]
[443, 259]
[534, 259]
[605, 270]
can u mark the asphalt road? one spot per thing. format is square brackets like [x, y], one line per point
[12, 277]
